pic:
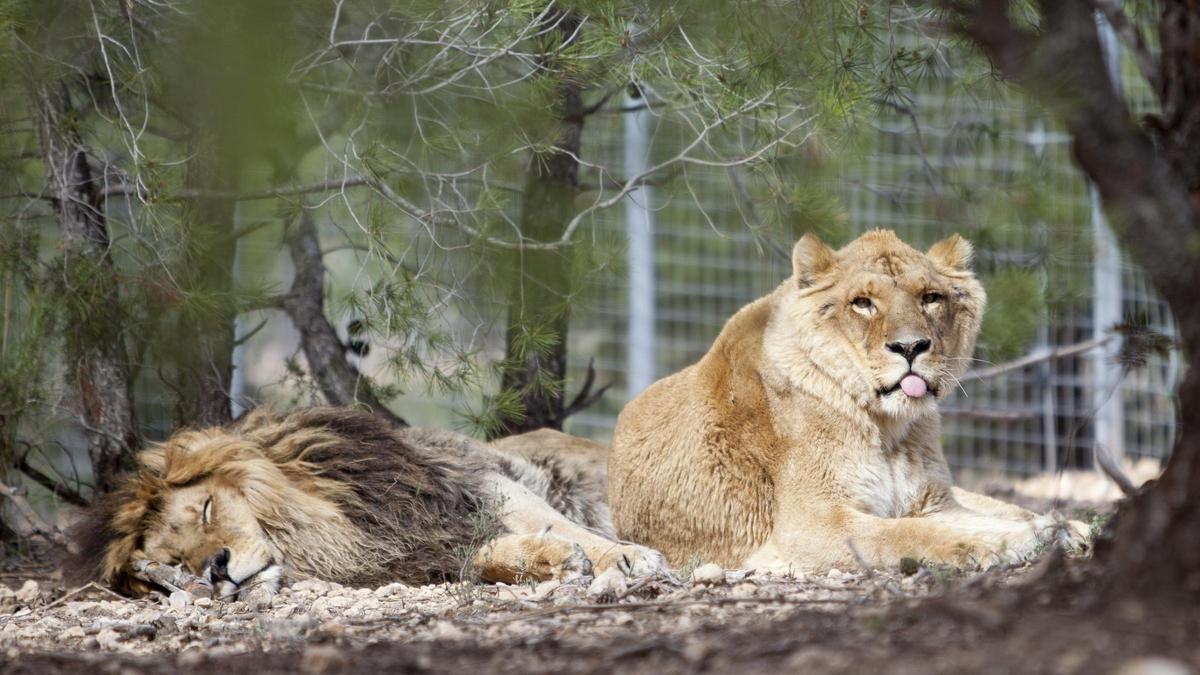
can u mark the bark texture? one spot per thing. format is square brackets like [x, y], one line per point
[204, 359]
[542, 281]
[1149, 180]
[339, 380]
[98, 363]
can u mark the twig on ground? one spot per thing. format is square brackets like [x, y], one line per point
[171, 577]
[66, 596]
[862, 562]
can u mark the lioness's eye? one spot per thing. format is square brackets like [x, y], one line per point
[206, 512]
[861, 302]
[931, 297]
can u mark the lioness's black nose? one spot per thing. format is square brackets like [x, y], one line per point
[910, 350]
[219, 564]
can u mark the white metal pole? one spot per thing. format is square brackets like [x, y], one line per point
[1106, 284]
[639, 222]
[237, 381]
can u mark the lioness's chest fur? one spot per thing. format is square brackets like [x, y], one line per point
[890, 470]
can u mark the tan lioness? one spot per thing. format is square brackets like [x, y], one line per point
[810, 432]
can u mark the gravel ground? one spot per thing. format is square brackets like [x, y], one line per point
[1037, 617]
[40, 617]
[929, 621]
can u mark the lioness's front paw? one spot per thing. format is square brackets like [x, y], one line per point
[1071, 535]
[634, 560]
[969, 553]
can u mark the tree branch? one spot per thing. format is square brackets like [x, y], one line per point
[67, 494]
[339, 380]
[1129, 34]
[1153, 214]
[1039, 356]
[39, 525]
[96, 345]
[586, 397]
[185, 194]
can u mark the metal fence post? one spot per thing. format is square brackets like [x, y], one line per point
[1106, 289]
[639, 221]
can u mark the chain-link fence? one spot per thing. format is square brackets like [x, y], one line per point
[707, 260]
[691, 252]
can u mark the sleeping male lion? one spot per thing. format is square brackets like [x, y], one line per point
[340, 495]
[810, 429]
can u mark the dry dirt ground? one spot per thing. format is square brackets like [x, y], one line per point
[1039, 617]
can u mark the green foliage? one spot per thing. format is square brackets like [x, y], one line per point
[27, 330]
[1015, 305]
[438, 117]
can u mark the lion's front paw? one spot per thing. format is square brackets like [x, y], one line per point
[258, 591]
[634, 560]
[969, 553]
[1070, 535]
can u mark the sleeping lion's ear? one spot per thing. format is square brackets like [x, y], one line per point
[810, 258]
[953, 252]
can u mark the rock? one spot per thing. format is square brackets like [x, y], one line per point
[446, 630]
[189, 658]
[710, 573]
[73, 633]
[283, 611]
[286, 630]
[745, 589]
[389, 590]
[108, 639]
[608, 587]
[835, 573]
[80, 608]
[258, 598]
[339, 601]
[203, 602]
[179, 601]
[315, 586]
[544, 589]
[364, 605]
[319, 659]
[29, 592]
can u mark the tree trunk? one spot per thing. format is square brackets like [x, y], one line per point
[1151, 188]
[204, 358]
[339, 380]
[95, 346]
[1155, 550]
[543, 280]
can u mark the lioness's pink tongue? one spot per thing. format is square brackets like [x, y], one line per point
[913, 385]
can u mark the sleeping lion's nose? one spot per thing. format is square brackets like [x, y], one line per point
[219, 564]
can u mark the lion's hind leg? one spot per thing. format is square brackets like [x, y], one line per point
[514, 558]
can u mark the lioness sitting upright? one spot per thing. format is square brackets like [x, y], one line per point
[813, 421]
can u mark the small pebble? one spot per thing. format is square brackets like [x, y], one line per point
[179, 600]
[710, 573]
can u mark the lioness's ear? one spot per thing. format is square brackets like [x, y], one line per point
[953, 252]
[810, 258]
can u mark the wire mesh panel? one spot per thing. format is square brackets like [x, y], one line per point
[998, 173]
